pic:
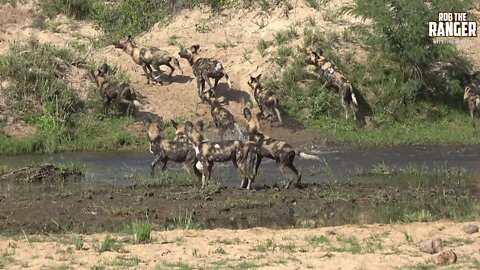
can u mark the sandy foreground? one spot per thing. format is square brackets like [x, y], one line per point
[345, 247]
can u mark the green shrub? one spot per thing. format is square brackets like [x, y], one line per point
[78, 9]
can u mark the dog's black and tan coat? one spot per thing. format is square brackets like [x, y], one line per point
[122, 93]
[204, 69]
[148, 57]
[266, 147]
[265, 98]
[222, 117]
[209, 152]
[337, 80]
[471, 95]
[180, 151]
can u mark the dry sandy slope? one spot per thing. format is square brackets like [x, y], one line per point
[232, 38]
[290, 249]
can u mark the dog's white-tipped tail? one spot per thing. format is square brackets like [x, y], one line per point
[307, 156]
[278, 115]
[137, 104]
[228, 81]
[199, 166]
[354, 99]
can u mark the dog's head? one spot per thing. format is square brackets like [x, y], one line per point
[253, 124]
[100, 74]
[315, 58]
[468, 91]
[123, 43]
[194, 132]
[190, 53]
[254, 82]
[154, 128]
[179, 130]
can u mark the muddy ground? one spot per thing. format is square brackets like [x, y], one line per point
[169, 201]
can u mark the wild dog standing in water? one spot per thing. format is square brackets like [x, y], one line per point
[471, 95]
[266, 99]
[267, 147]
[165, 150]
[120, 92]
[222, 118]
[210, 152]
[148, 57]
[204, 69]
[338, 80]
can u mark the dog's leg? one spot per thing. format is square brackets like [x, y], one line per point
[172, 69]
[197, 173]
[144, 67]
[345, 107]
[215, 83]
[296, 172]
[206, 79]
[106, 105]
[225, 75]
[281, 167]
[207, 172]
[154, 163]
[257, 163]
[164, 164]
[323, 86]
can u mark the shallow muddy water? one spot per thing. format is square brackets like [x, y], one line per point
[118, 190]
[338, 164]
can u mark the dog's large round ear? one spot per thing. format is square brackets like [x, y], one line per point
[258, 116]
[104, 68]
[258, 77]
[195, 48]
[174, 124]
[129, 38]
[188, 126]
[247, 113]
[159, 122]
[199, 125]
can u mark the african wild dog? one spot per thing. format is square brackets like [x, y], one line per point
[165, 150]
[472, 97]
[122, 93]
[222, 118]
[148, 57]
[336, 79]
[265, 98]
[204, 69]
[267, 147]
[210, 152]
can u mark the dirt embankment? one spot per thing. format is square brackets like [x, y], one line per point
[230, 36]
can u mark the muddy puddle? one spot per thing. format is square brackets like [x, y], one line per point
[350, 186]
[340, 164]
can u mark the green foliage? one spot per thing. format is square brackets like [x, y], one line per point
[283, 37]
[11, 2]
[78, 9]
[185, 221]
[141, 232]
[262, 46]
[405, 78]
[399, 33]
[79, 242]
[40, 96]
